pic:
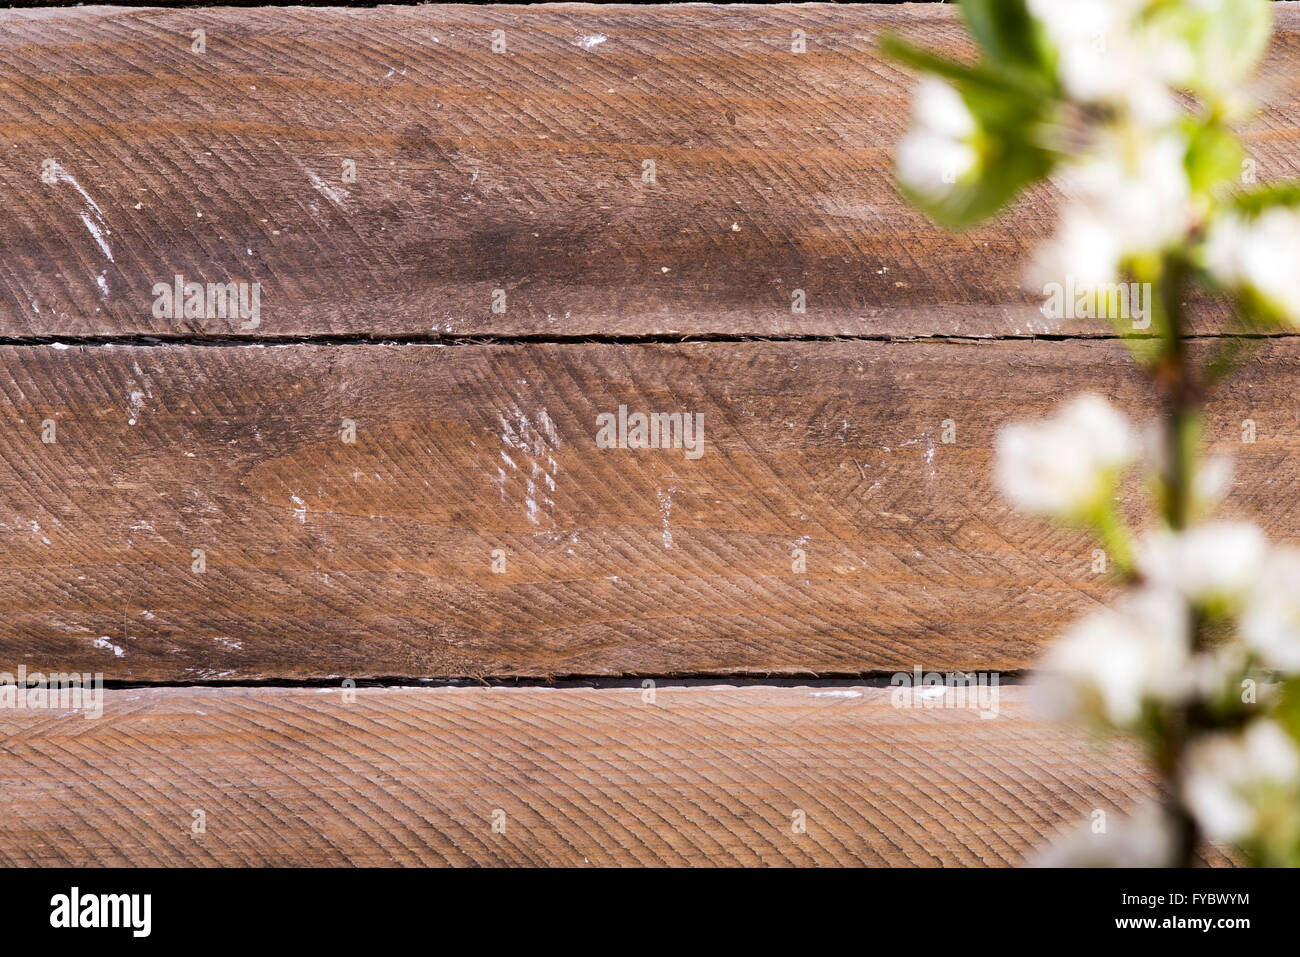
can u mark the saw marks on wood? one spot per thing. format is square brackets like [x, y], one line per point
[641, 170]
[707, 775]
[200, 515]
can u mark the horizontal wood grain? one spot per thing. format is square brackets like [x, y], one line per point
[375, 558]
[701, 776]
[479, 171]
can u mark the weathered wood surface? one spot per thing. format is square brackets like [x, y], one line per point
[478, 171]
[374, 558]
[412, 777]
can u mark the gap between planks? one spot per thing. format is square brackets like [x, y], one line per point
[151, 340]
[595, 682]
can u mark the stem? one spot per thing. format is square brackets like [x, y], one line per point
[1115, 538]
[1186, 834]
[1182, 399]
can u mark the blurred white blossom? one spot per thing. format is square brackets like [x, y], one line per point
[1260, 255]
[1115, 659]
[1144, 838]
[1213, 473]
[1270, 624]
[1130, 53]
[1211, 483]
[1217, 671]
[1217, 562]
[1129, 108]
[1141, 189]
[1067, 464]
[1084, 247]
[1125, 201]
[937, 150]
[1225, 774]
[1208, 46]
[1102, 57]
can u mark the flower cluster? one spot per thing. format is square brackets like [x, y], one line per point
[1212, 606]
[1086, 91]
[1066, 466]
[1256, 258]
[1130, 107]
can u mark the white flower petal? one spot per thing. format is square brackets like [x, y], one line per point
[1145, 838]
[1115, 659]
[1270, 625]
[1223, 771]
[1259, 254]
[936, 152]
[1063, 464]
[1217, 561]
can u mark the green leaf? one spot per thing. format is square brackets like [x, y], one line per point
[1009, 93]
[1264, 313]
[1226, 40]
[1006, 32]
[1213, 157]
[1006, 167]
[1252, 202]
[1007, 111]
[1287, 711]
[957, 73]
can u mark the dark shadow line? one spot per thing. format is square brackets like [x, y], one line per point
[868, 679]
[147, 340]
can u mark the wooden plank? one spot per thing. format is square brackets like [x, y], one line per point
[374, 558]
[479, 171]
[703, 776]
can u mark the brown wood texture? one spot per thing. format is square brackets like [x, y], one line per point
[374, 558]
[478, 171]
[324, 559]
[412, 777]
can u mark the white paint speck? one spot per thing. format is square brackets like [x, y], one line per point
[137, 402]
[665, 512]
[335, 194]
[94, 231]
[533, 440]
[106, 643]
[92, 217]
